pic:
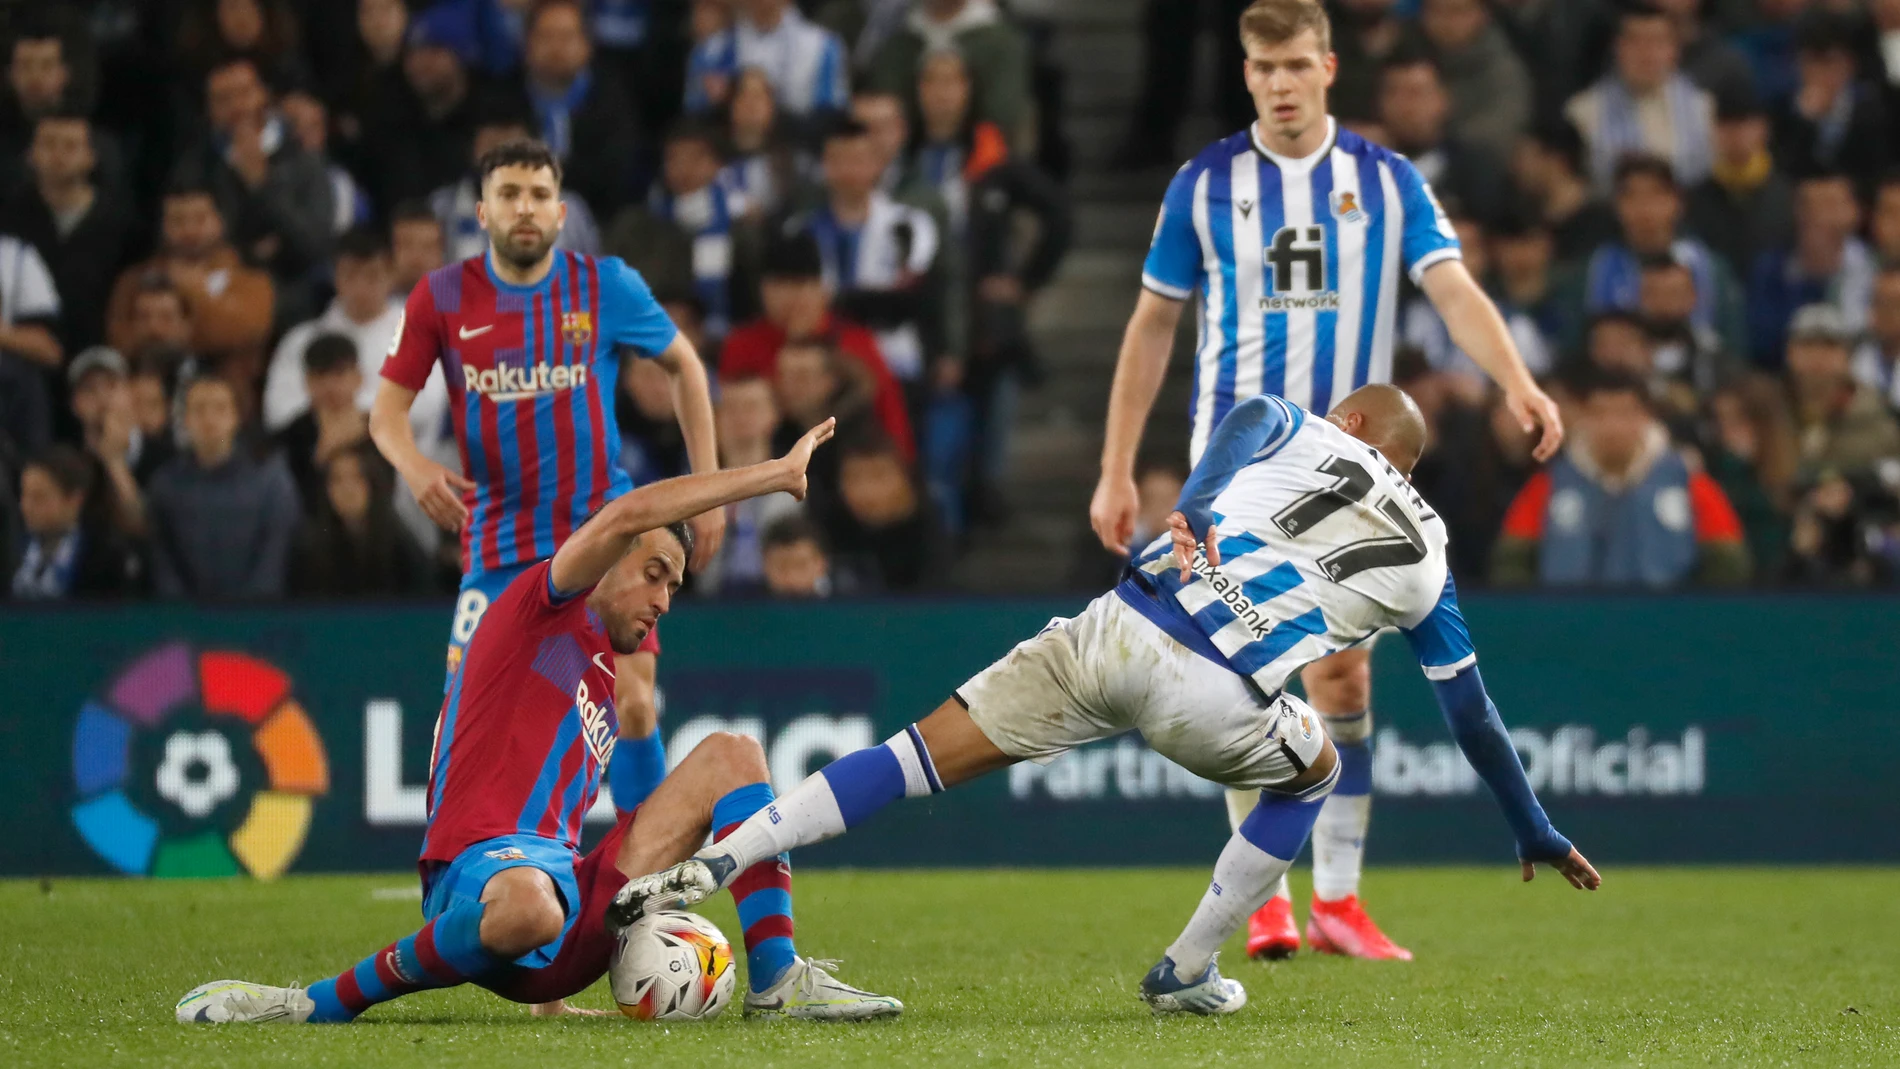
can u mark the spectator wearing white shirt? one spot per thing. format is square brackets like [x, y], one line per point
[29, 305]
[805, 62]
[1646, 105]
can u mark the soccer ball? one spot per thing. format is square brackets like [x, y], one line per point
[672, 966]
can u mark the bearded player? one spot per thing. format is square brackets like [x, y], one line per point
[511, 905]
[1295, 233]
[1314, 541]
[530, 340]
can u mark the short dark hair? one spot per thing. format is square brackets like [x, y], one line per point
[694, 128]
[790, 530]
[413, 210]
[1821, 32]
[869, 444]
[1560, 138]
[207, 379]
[1603, 380]
[1661, 261]
[684, 533]
[793, 254]
[328, 354]
[846, 129]
[1517, 224]
[185, 187]
[1405, 57]
[528, 152]
[683, 299]
[68, 467]
[362, 243]
[542, 7]
[1639, 9]
[1639, 164]
[155, 281]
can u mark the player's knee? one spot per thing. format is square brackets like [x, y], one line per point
[516, 924]
[1342, 692]
[1318, 774]
[739, 755]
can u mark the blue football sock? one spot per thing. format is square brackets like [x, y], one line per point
[637, 766]
[762, 892]
[446, 952]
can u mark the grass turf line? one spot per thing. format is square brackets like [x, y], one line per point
[1026, 968]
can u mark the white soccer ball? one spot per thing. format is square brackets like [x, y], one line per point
[672, 966]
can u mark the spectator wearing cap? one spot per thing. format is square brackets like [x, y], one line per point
[221, 521]
[1620, 508]
[1707, 57]
[1489, 88]
[1877, 359]
[1841, 425]
[1649, 212]
[455, 205]
[994, 48]
[126, 456]
[747, 418]
[417, 243]
[419, 140]
[72, 550]
[332, 420]
[1548, 171]
[229, 305]
[1413, 108]
[1836, 121]
[806, 63]
[308, 119]
[1645, 104]
[85, 233]
[275, 198]
[794, 560]
[797, 305]
[1746, 206]
[581, 108]
[1827, 262]
[712, 216]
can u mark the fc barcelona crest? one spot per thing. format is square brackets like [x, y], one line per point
[1346, 207]
[577, 327]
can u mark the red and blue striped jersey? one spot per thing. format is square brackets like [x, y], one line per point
[528, 726]
[531, 373]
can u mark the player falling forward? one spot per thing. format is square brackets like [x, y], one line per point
[530, 340]
[1295, 232]
[511, 904]
[1314, 541]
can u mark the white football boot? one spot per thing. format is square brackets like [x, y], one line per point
[683, 886]
[1207, 994]
[808, 992]
[238, 1002]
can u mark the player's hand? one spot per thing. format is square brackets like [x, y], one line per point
[1112, 512]
[709, 530]
[799, 458]
[1186, 542]
[439, 491]
[1574, 867]
[1534, 409]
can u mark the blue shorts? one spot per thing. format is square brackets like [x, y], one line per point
[479, 590]
[462, 880]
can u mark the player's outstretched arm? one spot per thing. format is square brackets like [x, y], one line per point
[1478, 329]
[438, 490]
[600, 543]
[692, 404]
[1143, 363]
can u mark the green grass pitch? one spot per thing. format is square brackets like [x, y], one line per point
[1026, 968]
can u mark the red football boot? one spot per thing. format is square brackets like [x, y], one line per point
[1342, 927]
[1271, 933]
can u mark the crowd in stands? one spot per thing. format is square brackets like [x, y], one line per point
[211, 211]
[1688, 212]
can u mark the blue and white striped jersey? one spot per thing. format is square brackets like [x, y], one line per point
[1322, 545]
[1297, 262]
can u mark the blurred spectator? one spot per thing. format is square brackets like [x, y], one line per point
[1884, 231]
[797, 305]
[1548, 170]
[811, 382]
[1366, 33]
[124, 456]
[1835, 121]
[1688, 359]
[221, 522]
[1525, 281]
[275, 198]
[369, 74]
[1751, 456]
[308, 118]
[416, 243]
[29, 306]
[879, 256]
[229, 305]
[1475, 463]
[885, 117]
[1844, 532]
[1620, 508]
[582, 108]
[152, 418]
[651, 447]
[711, 215]
[160, 332]
[1170, 31]
[1746, 206]
[331, 420]
[43, 84]
[1619, 343]
[805, 62]
[645, 44]
[1645, 104]
[72, 552]
[1563, 42]
[1826, 262]
[1421, 326]
[1413, 109]
[763, 164]
[1649, 216]
[1157, 488]
[794, 560]
[265, 32]
[885, 529]
[85, 233]
[1842, 425]
[365, 312]
[1490, 89]
[454, 205]
[419, 140]
[26, 413]
[1708, 58]
[1878, 356]
[747, 418]
[352, 546]
[992, 46]
[1886, 65]
[1769, 40]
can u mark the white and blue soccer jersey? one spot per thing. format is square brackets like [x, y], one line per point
[1297, 263]
[1322, 545]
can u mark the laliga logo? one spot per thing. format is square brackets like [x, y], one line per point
[164, 792]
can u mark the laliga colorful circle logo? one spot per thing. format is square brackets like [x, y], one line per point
[197, 763]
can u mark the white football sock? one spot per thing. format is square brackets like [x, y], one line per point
[1244, 879]
[1339, 845]
[1239, 804]
[806, 814]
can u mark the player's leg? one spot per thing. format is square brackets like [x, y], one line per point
[478, 590]
[1271, 933]
[1340, 688]
[638, 763]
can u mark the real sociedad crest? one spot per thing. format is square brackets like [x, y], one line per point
[1346, 206]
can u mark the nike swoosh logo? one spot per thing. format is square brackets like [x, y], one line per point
[602, 667]
[476, 333]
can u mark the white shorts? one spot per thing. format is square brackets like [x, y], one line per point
[1112, 670]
